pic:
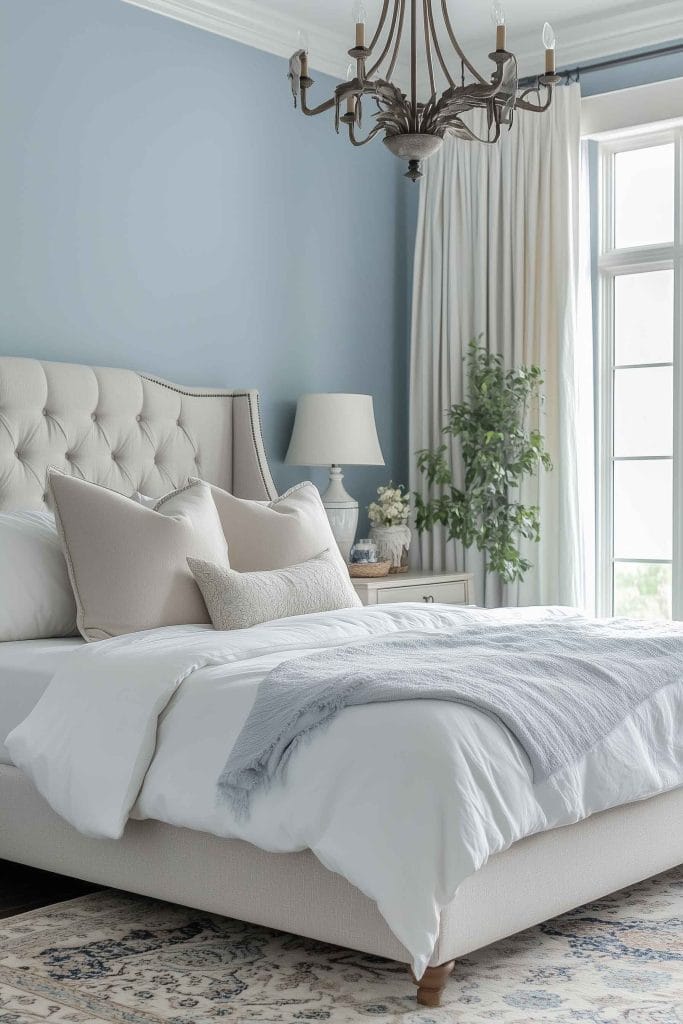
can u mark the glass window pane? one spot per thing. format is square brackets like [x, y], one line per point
[643, 411]
[642, 591]
[644, 196]
[644, 317]
[643, 499]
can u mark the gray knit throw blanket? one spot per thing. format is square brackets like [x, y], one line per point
[559, 686]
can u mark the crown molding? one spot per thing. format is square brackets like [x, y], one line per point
[254, 25]
[633, 28]
[246, 21]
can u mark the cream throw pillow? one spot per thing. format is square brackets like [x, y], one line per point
[127, 563]
[237, 600]
[272, 535]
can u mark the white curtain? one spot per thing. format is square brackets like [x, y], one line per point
[499, 252]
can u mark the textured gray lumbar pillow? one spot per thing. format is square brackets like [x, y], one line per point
[239, 599]
[127, 564]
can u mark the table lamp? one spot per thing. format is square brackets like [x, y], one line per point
[334, 430]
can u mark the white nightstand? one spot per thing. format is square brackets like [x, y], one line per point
[430, 587]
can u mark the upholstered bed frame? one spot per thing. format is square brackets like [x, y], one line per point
[130, 431]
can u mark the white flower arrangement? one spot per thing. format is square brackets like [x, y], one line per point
[391, 508]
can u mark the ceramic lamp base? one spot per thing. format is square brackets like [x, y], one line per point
[342, 512]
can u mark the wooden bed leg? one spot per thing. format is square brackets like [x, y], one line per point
[432, 983]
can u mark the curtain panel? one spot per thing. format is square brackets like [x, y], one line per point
[500, 253]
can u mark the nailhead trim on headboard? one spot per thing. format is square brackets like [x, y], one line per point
[126, 430]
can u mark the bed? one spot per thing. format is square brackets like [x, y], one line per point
[132, 432]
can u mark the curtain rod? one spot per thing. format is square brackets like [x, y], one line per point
[574, 74]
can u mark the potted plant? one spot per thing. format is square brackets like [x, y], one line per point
[499, 450]
[389, 526]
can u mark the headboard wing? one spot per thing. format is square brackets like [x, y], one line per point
[124, 430]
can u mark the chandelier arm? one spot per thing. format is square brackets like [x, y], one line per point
[369, 137]
[437, 47]
[536, 108]
[533, 90]
[380, 26]
[394, 56]
[428, 47]
[456, 45]
[387, 45]
[320, 109]
[482, 94]
[488, 141]
[460, 129]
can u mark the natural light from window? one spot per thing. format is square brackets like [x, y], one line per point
[640, 348]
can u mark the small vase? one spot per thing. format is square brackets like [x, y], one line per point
[392, 543]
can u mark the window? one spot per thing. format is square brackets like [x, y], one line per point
[640, 377]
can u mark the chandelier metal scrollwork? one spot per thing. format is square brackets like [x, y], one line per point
[414, 130]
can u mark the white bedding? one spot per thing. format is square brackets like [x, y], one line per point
[26, 668]
[405, 800]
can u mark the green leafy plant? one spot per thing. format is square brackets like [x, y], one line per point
[498, 452]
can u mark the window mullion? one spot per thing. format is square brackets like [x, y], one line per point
[677, 568]
[605, 397]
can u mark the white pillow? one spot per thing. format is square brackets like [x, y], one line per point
[127, 563]
[237, 600]
[36, 600]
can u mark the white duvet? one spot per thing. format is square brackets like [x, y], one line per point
[405, 800]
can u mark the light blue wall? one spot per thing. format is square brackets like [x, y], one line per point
[163, 207]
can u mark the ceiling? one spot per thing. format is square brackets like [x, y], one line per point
[586, 29]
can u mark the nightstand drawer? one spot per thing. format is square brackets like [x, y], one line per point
[430, 593]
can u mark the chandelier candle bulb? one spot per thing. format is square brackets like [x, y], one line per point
[302, 43]
[350, 116]
[549, 43]
[359, 17]
[498, 18]
[350, 100]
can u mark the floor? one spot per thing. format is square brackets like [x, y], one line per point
[23, 888]
[115, 958]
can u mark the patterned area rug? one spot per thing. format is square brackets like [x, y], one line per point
[119, 958]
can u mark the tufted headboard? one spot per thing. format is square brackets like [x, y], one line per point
[124, 430]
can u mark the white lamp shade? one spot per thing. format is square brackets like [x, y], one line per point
[332, 429]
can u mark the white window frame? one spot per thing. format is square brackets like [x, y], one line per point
[612, 262]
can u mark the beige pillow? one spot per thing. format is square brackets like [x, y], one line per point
[273, 535]
[127, 563]
[237, 600]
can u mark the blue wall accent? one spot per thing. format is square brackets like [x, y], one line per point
[163, 207]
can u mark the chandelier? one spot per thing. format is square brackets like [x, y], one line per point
[414, 129]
